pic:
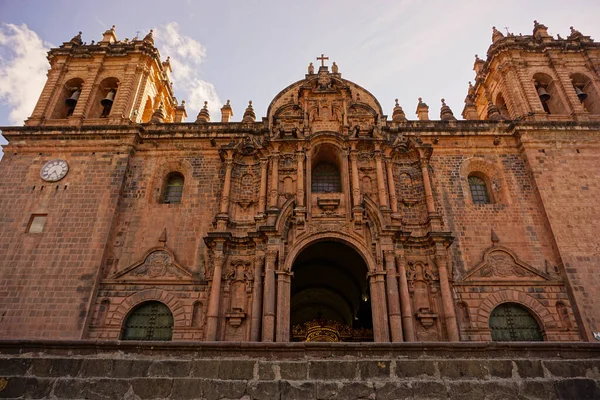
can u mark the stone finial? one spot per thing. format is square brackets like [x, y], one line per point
[77, 40]
[226, 112]
[167, 64]
[478, 65]
[180, 113]
[446, 113]
[203, 116]
[311, 69]
[540, 30]
[149, 37]
[422, 110]
[496, 35]
[470, 111]
[163, 237]
[159, 115]
[109, 36]
[494, 112]
[249, 115]
[398, 114]
[334, 68]
[495, 239]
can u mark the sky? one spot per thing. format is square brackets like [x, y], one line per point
[251, 50]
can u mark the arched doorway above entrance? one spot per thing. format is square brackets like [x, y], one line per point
[513, 322]
[330, 298]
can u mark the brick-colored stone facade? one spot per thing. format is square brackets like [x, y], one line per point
[325, 166]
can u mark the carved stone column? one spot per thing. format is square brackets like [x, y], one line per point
[274, 192]
[257, 298]
[407, 317]
[262, 198]
[268, 322]
[300, 183]
[391, 184]
[212, 317]
[427, 186]
[393, 300]
[380, 180]
[284, 280]
[381, 330]
[355, 181]
[447, 301]
[223, 216]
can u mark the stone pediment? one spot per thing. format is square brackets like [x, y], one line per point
[500, 263]
[159, 263]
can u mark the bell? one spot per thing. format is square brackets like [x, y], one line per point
[581, 95]
[71, 102]
[544, 96]
[108, 100]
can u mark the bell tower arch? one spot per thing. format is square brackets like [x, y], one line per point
[105, 83]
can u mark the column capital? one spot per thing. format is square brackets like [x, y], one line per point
[271, 255]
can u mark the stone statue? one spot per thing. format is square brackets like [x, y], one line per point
[311, 69]
[334, 68]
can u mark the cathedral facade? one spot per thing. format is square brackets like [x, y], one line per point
[326, 220]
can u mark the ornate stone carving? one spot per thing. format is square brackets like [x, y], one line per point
[500, 263]
[158, 263]
[238, 278]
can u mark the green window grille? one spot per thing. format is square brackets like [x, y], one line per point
[479, 191]
[149, 321]
[326, 179]
[173, 189]
[511, 322]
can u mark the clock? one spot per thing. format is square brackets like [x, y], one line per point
[54, 170]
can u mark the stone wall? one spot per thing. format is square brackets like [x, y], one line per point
[565, 175]
[47, 279]
[138, 370]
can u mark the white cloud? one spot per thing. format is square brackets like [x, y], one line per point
[23, 68]
[187, 55]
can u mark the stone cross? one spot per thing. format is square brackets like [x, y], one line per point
[322, 58]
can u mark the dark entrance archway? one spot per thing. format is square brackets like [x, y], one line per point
[330, 298]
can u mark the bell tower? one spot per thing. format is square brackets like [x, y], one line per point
[536, 77]
[110, 82]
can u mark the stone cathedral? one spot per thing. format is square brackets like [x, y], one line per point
[324, 221]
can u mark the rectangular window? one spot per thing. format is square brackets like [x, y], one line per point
[36, 223]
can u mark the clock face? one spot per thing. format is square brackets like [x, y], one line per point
[54, 170]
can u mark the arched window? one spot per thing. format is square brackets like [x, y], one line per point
[68, 98]
[510, 322]
[104, 98]
[586, 93]
[479, 190]
[502, 107]
[548, 94]
[173, 188]
[325, 179]
[151, 320]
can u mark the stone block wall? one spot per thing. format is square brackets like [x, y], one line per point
[47, 279]
[112, 370]
[565, 174]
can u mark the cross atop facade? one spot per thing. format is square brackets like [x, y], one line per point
[322, 58]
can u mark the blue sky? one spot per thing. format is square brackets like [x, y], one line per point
[250, 50]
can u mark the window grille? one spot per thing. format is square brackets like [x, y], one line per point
[173, 189]
[325, 179]
[479, 191]
[149, 321]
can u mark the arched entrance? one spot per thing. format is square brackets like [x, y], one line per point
[330, 298]
[511, 322]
